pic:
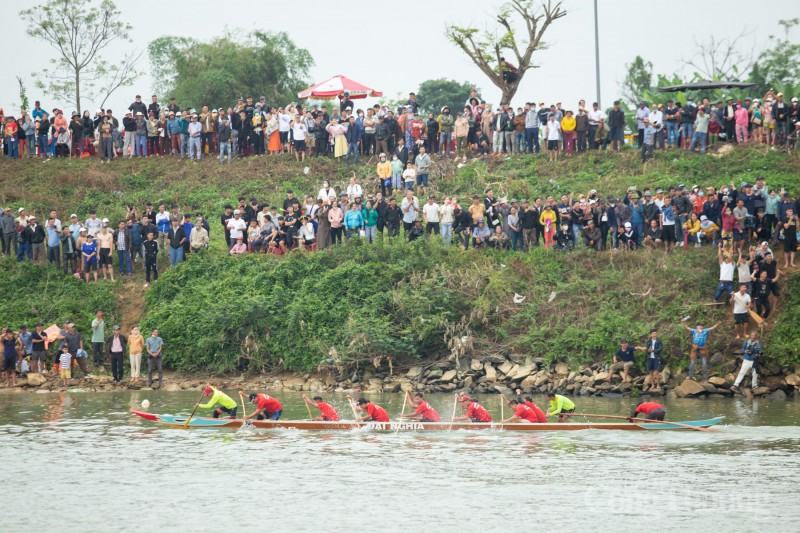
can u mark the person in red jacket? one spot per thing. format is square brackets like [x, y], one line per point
[375, 413]
[424, 411]
[475, 411]
[522, 414]
[540, 416]
[267, 407]
[327, 411]
[650, 410]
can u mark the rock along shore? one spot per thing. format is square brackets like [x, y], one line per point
[489, 374]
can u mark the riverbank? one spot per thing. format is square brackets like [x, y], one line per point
[471, 375]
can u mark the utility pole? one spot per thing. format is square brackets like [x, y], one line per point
[597, 53]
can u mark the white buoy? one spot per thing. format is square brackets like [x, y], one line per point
[145, 404]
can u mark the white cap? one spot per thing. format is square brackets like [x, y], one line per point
[20, 210]
[105, 221]
[178, 114]
[237, 212]
[99, 110]
[139, 114]
[73, 215]
[765, 243]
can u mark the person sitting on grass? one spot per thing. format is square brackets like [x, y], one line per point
[480, 235]
[240, 248]
[652, 235]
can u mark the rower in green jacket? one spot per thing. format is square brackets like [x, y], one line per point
[226, 403]
[560, 405]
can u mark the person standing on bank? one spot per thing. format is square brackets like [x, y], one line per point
[135, 347]
[155, 346]
[115, 345]
[653, 348]
[98, 338]
[751, 353]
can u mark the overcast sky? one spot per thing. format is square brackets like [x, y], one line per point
[361, 40]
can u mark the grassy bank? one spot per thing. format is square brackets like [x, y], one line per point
[400, 302]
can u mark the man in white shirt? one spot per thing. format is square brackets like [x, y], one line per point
[93, 224]
[595, 116]
[726, 269]
[195, 134]
[409, 207]
[657, 117]
[236, 226]
[430, 215]
[641, 113]
[22, 219]
[741, 306]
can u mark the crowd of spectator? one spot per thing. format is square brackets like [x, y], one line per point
[344, 130]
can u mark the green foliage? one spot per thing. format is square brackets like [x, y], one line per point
[34, 293]
[214, 73]
[294, 311]
[433, 95]
[638, 80]
[783, 345]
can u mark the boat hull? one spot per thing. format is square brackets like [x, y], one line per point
[218, 423]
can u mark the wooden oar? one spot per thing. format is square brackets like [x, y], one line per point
[403, 410]
[641, 420]
[186, 424]
[455, 404]
[244, 410]
[353, 407]
[310, 417]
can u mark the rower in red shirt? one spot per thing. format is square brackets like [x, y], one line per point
[424, 411]
[522, 413]
[327, 411]
[475, 411]
[375, 413]
[650, 410]
[540, 416]
[267, 407]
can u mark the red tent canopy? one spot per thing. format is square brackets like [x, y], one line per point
[333, 87]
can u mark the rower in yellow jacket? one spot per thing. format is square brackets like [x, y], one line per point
[560, 405]
[225, 402]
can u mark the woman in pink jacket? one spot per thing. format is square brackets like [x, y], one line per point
[742, 118]
[336, 217]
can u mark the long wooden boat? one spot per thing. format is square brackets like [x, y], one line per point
[345, 425]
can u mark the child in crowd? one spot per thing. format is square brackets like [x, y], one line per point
[65, 360]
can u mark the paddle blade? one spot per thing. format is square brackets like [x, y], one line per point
[146, 416]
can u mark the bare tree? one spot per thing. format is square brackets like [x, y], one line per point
[487, 49]
[80, 30]
[721, 59]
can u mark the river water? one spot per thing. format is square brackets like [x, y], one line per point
[80, 462]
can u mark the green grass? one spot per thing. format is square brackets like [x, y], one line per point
[399, 301]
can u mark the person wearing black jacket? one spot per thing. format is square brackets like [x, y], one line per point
[176, 238]
[76, 131]
[129, 135]
[381, 206]
[616, 125]
[383, 134]
[69, 251]
[37, 236]
[115, 345]
[462, 226]
[151, 257]
[224, 139]
[138, 106]
[320, 136]
[529, 221]
[154, 107]
[393, 216]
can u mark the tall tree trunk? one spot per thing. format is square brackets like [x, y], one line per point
[509, 90]
[77, 92]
